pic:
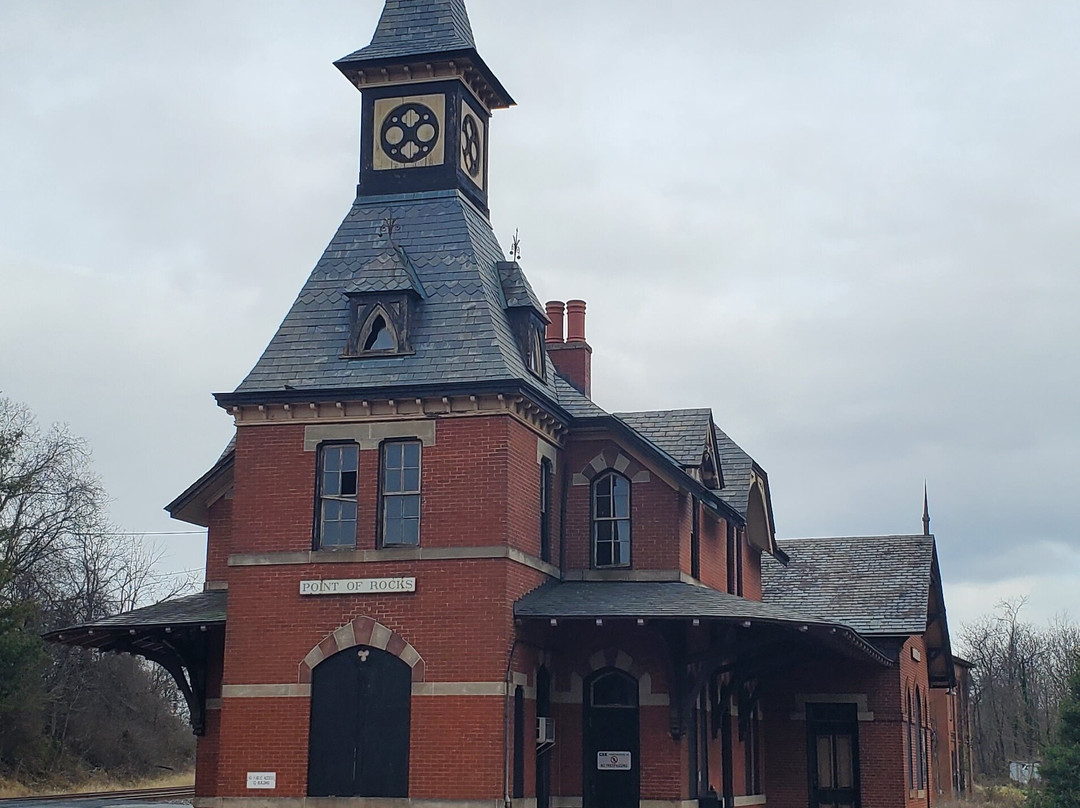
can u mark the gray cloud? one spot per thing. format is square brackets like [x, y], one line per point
[850, 228]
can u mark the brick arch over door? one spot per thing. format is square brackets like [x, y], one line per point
[362, 631]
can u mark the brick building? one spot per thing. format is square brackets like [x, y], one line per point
[438, 573]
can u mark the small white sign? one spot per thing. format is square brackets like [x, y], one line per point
[613, 761]
[359, 586]
[262, 779]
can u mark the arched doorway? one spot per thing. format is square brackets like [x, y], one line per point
[360, 708]
[612, 766]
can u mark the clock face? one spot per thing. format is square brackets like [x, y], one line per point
[472, 154]
[409, 132]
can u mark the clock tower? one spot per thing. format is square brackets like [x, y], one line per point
[427, 102]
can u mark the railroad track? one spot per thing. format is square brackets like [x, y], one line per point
[175, 792]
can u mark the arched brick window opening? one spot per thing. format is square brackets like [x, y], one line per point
[611, 520]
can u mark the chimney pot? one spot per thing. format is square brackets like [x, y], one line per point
[555, 311]
[575, 321]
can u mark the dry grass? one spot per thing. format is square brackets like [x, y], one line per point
[10, 788]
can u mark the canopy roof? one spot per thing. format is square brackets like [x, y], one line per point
[675, 600]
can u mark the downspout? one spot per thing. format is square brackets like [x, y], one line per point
[507, 679]
[562, 518]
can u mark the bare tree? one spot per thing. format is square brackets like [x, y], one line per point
[1020, 676]
[62, 562]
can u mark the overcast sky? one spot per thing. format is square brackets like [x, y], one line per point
[850, 228]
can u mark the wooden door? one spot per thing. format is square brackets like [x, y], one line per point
[360, 709]
[833, 755]
[612, 765]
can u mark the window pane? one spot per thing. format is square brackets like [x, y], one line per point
[349, 458]
[411, 480]
[348, 483]
[412, 455]
[410, 506]
[622, 504]
[331, 482]
[824, 761]
[844, 763]
[332, 458]
[331, 510]
[603, 506]
[348, 511]
[603, 554]
[410, 531]
[392, 480]
[392, 530]
[393, 455]
[393, 507]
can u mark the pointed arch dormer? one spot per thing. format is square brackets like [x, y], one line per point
[378, 335]
[382, 299]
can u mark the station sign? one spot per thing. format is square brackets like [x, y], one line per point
[359, 586]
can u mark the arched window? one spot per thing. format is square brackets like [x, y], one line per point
[920, 742]
[611, 520]
[545, 510]
[377, 335]
[536, 352]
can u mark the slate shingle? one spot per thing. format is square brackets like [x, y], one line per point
[738, 469]
[682, 434]
[205, 608]
[460, 333]
[413, 27]
[878, 585]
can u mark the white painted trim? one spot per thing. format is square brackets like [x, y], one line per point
[752, 799]
[565, 802]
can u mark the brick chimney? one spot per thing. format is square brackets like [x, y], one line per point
[572, 356]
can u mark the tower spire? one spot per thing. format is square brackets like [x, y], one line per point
[925, 511]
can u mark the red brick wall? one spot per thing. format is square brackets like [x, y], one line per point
[713, 551]
[751, 571]
[880, 741]
[219, 540]
[657, 521]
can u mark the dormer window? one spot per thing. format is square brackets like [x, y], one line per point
[380, 326]
[535, 352]
[379, 336]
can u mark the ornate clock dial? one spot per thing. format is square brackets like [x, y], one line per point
[470, 145]
[410, 132]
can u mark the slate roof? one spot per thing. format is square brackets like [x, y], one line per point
[654, 599]
[414, 27]
[737, 466]
[679, 433]
[204, 608]
[517, 291]
[389, 272]
[879, 585]
[460, 334]
[673, 600]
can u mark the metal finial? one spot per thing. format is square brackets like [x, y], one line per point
[515, 247]
[925, 511]
[388, 227]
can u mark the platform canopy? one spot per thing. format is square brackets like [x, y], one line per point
[177, 634]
